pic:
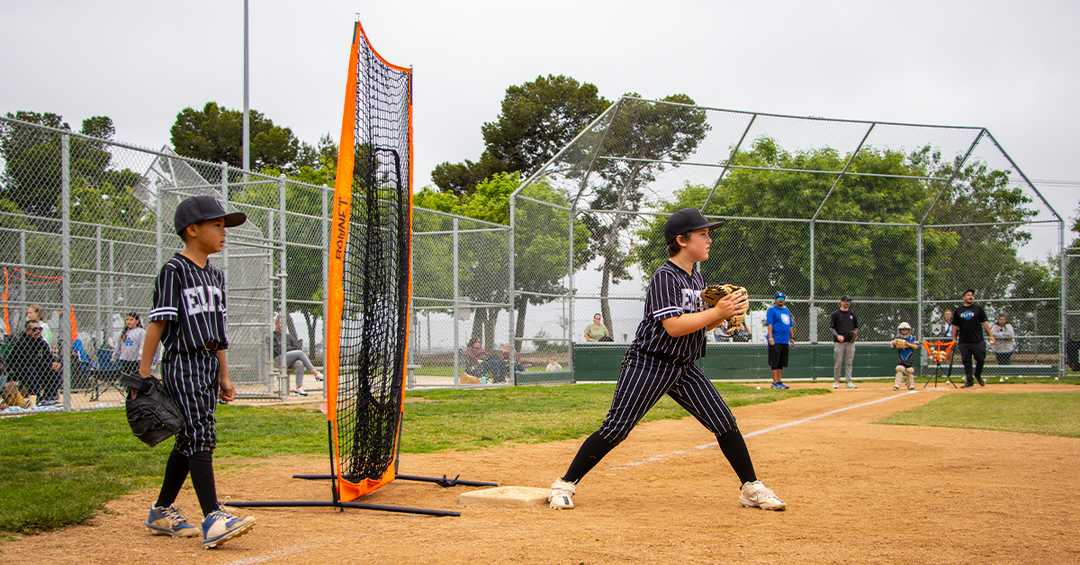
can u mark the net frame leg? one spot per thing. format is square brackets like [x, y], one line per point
[443, 482]
[341, 506]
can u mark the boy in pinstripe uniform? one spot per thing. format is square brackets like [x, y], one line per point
[188, 320]
[661, 361]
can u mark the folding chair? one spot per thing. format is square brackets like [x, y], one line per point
[938, 352]
[105, 376]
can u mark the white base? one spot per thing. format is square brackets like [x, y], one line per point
[508, 496]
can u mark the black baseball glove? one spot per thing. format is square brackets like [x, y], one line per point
[152, 415]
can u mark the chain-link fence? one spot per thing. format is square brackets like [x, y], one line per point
[1072, 294]
[901, 217]
[85, 225]
[461, 274]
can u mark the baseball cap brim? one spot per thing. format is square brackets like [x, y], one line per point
[685, 221]
[231, 220]
[234, 219]
[202, 208]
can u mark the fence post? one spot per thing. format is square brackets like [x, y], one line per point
[919, 289]
[159, 234]
[283, 275]
[22, 265]
[325, 270]
[572, 291]
[457, 346]
[97, 287]
[225, 204]
[512, 352]
[1064, 336]
[65, 266]
[812, 311]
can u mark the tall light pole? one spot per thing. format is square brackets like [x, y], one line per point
[246, 142]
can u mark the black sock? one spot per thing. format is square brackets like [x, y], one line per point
[734, 447]
[176, 472]
[202, 478]
[589, 454]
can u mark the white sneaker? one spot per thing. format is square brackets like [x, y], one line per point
[836, 385]
[755, 495]
[561, 495]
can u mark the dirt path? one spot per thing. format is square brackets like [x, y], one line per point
[856, 493]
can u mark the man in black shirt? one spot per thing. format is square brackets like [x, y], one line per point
[969, 321]
[845, 329]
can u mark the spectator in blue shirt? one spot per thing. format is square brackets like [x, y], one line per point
[778, 322]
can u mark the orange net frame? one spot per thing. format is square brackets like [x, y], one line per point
[369, 273]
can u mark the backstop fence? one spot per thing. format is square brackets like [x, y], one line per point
[902, 217]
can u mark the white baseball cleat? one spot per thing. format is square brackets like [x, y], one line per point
[561, 497]
[755, 495]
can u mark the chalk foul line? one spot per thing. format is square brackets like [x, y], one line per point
[662, 456]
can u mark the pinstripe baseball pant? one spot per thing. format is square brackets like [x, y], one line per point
[191, 380]
[643, 380]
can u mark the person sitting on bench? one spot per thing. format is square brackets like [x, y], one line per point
[34, 366]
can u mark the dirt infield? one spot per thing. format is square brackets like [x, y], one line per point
[856, 493]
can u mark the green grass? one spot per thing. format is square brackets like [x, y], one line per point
[60, 469]
[1043, 413]
[474, 419]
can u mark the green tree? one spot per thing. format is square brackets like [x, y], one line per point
[851, 258]
[216, 134]
[645, 136]
[32, 172]
[540, 245]
[538, 119]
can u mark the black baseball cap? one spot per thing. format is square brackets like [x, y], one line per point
[198, 208]
[845, 298]
[686, 220]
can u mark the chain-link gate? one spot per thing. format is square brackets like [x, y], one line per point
[461, 280]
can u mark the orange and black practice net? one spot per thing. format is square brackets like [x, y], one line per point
[370, 284]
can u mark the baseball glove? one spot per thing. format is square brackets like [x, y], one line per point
[714, 292]
[152, 415]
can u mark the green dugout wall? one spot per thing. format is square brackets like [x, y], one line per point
[749, 361]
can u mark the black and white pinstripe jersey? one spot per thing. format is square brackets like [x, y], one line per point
[672, 292]
[192, 298]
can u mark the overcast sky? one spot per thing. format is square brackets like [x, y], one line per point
[1009, 67]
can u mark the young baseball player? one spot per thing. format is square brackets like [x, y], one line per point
[905, 345]
[188, 320]
[661, 361]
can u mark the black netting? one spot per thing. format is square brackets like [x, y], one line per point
[376, 273]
